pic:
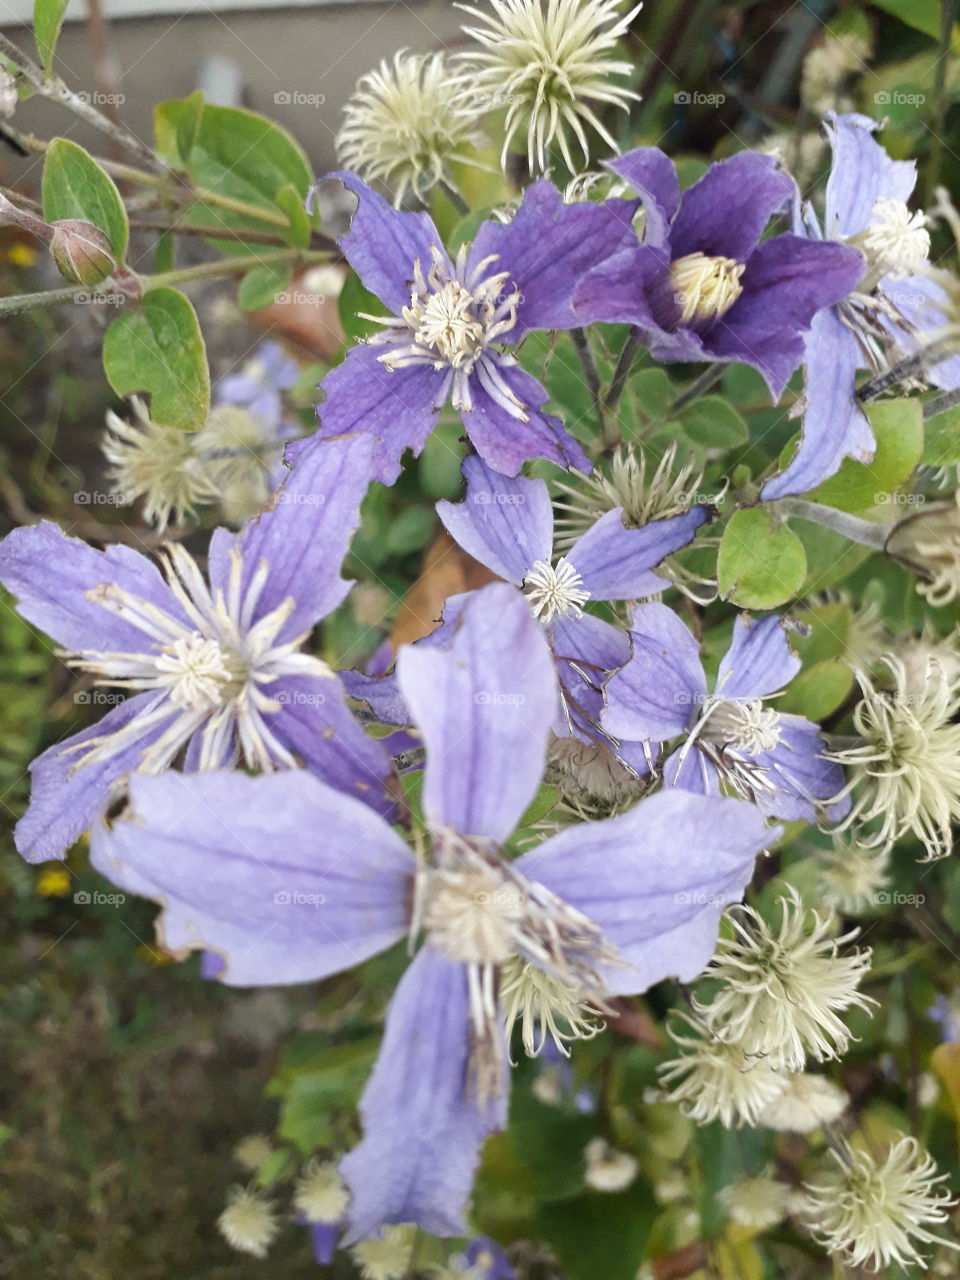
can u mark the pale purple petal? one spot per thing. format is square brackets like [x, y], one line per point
[287, 879]
[323, 1240]
[305, 533]
[651, 173]
[805, 781]
[616, 562]
[759, 661]
[925, 307]
[422, 1130]
[690, 770]
[51, 575]
[861, 173]
[506, 524]
[834, 424]
[652, 870]
[315, 723]
[65, 800]
[484, 706]
[506, 442]
[659, 690]
[585, 649]
[398, 409]
[381, 694]
[725, 212]
[383, 243]
[545, 249]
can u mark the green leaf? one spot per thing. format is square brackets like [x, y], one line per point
[761, 562]
[440, 462]
[355, 301]
[941, 442]
[922, 15]
[601, 1234]
[858, 486]
[714, 423]
[818, 690]
[308, 1111]
[291, 202]
[652, 393]
[234, 153]
[74, 186]
[158, 348]
[188, 124]
[263, 286]
[410, 530]
[47, 21]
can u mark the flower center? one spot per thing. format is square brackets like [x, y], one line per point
[544, 1007]
[196, 671]
[555, 592]
[473, 915]
[896, 242]
[448, 323]
[705, 288]
[746, 726]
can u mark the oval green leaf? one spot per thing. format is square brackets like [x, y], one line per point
[47, 21]
[74, 186]
[158, 348]
[761, 563]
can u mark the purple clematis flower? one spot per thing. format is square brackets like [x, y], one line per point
[507, 525]
[732, 741]
[487, 1260]
[865, 208]
[259, 385]
[702, 285]
[291, 881]
[213, 666]
[450, 321]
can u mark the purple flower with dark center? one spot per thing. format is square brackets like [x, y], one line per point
[702, 285]
[213, 666]
[507, 525]
[891, 307]
[292, 881]
[260, 382]
[451, 320]
[732, 741]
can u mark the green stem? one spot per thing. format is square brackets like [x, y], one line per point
[455, 198]
[229, 266]
[700, 385]
[591, 376]
[21, 302]
[865, 532]
[621, 373]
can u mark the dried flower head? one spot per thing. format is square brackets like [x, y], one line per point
[853, 878]
[806, 1103]
[757, 1203]
[406, 122]
[253, 1151]
[781, 989]
[156, 463]
[872, 1214]
[715, 1080]
[248, 1223]
[928, 542]
[321, 1194]
[905, 772]
[239, 455]
[606, 1168]
[547, 61]
[386, 1256]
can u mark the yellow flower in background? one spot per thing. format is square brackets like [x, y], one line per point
[54, 882]
[22, 255]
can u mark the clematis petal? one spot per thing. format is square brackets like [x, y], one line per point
[861, 172]
[689, 770]
[834, 425]
[545, 249]
[422, 1130]
[652, 174]
[506, 442]
[617, 290]
[484, 706]
[287, 879]
[383, 244]
[398, 409]
[759, 660]
[658, 691]
[585, 650]
[805, 781]
[651, 871]
[305, 532]
[506, 524]
[616, 563]
[51, 575]
[65, 799]
[725, 212]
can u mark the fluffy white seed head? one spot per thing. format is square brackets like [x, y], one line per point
[853, 879]
[545, 1008]
[251, 1152]
[928, 542]
[406, 122]
[805, 1103]
[237, 453]
[321, 1195]
[714, 1080]
[782, 988]
[388, 1255]
[756, 1203]
[248, 1223]
[873, 1214]
[552, 64]
[606, 1168]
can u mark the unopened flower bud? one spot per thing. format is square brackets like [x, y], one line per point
[928, 542]
[82, 252]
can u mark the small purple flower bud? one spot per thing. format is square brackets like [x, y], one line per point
[82, 252]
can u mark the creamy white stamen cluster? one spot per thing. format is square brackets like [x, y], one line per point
[249, 1222]
[895, 241]
[905, 771]
[455, 315]
[555, 591]
[546, 60]
[210, 673]
[480, 911]
[715, 1080]
[875, 1215]
[781, 989]
[729, 733]
[705, 287]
